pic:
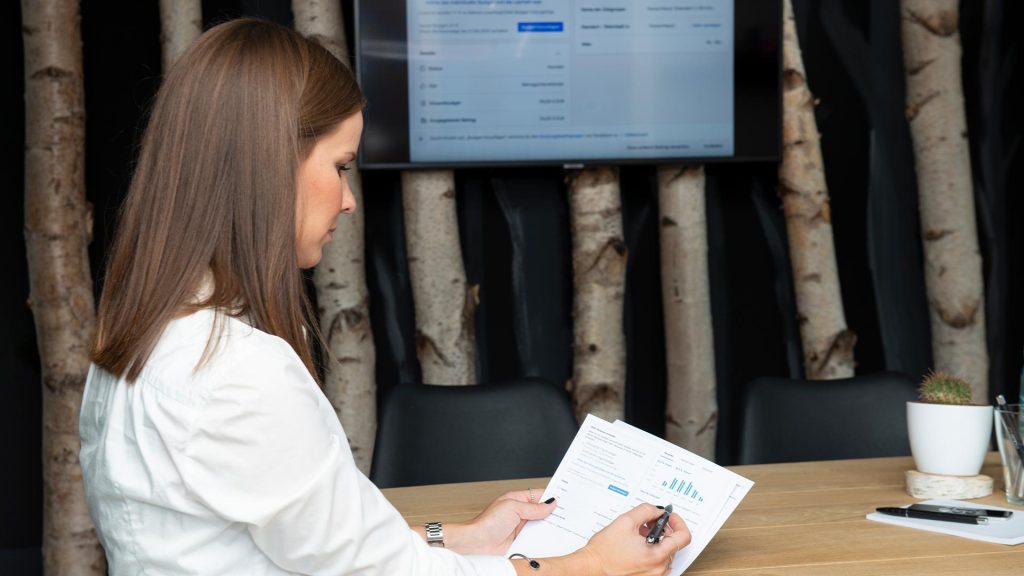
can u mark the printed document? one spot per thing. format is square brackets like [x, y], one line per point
[611, 468]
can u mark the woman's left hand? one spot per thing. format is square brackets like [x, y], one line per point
[492, 532]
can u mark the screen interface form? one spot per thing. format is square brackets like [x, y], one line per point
[569, 79]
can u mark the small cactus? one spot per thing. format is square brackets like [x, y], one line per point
[942, 388]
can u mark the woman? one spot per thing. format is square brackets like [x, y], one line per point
[207, 446]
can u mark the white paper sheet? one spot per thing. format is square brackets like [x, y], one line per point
[609, 469]
[999, 531]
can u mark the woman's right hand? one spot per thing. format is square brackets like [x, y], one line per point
[621, 548]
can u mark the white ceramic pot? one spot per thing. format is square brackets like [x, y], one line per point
[950, 440]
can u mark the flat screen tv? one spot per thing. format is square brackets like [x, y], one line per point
[453, 83]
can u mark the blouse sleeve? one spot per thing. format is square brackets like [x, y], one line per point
[267, 451]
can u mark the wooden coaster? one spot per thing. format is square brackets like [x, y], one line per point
[921, 485]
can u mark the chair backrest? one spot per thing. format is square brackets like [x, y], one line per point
[793, 420]
[437, 434]
[21, 561]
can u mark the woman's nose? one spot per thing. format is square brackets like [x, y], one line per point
[348, 201]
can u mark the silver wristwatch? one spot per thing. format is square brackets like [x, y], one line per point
[435, 534]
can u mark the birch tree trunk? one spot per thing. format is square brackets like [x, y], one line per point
[181, 22]
[340, 278]
[445, 303]
[323, 21]
[691, 407]
[599, 280]
[827, 343]
[58, 226]
[938, 126]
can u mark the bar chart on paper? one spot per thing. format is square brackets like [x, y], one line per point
[677, 479]
[683, 487]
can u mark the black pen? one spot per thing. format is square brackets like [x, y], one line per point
[1007, 514]
[655, 534]
[927, 515]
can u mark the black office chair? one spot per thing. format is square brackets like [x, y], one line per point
[793, 420]
[21, 561]
[438, 434]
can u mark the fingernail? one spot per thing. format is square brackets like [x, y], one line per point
[549, 500]
[661, 507]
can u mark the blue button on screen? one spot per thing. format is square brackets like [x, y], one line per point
[540, 27]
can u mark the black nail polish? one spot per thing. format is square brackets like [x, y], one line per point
[661, 507]
[549, 500]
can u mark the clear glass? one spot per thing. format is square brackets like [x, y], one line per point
[1008, 423]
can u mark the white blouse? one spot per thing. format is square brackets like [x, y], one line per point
[239, 468]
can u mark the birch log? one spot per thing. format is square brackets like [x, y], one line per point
[827, 343]
[322, 20]
[58, 225]
[181, 22]
[938, 126]
[445, 303]
[599, 281]
[340, 278]
[691, 407]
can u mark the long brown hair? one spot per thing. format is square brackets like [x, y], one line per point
[214, 190]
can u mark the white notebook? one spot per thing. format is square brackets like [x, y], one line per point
[611, 468]
[998, 531]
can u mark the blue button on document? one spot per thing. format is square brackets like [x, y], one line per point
[540, 27]
[618, 490]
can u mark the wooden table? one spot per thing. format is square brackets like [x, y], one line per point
[804, 518]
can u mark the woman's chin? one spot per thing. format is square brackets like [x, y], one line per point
[310, 260]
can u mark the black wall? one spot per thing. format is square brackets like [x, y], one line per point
[515, 227]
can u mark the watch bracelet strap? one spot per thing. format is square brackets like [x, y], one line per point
[435, 533]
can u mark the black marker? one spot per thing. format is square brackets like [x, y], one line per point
[655, 534]
[988, 513]
[929, 515]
